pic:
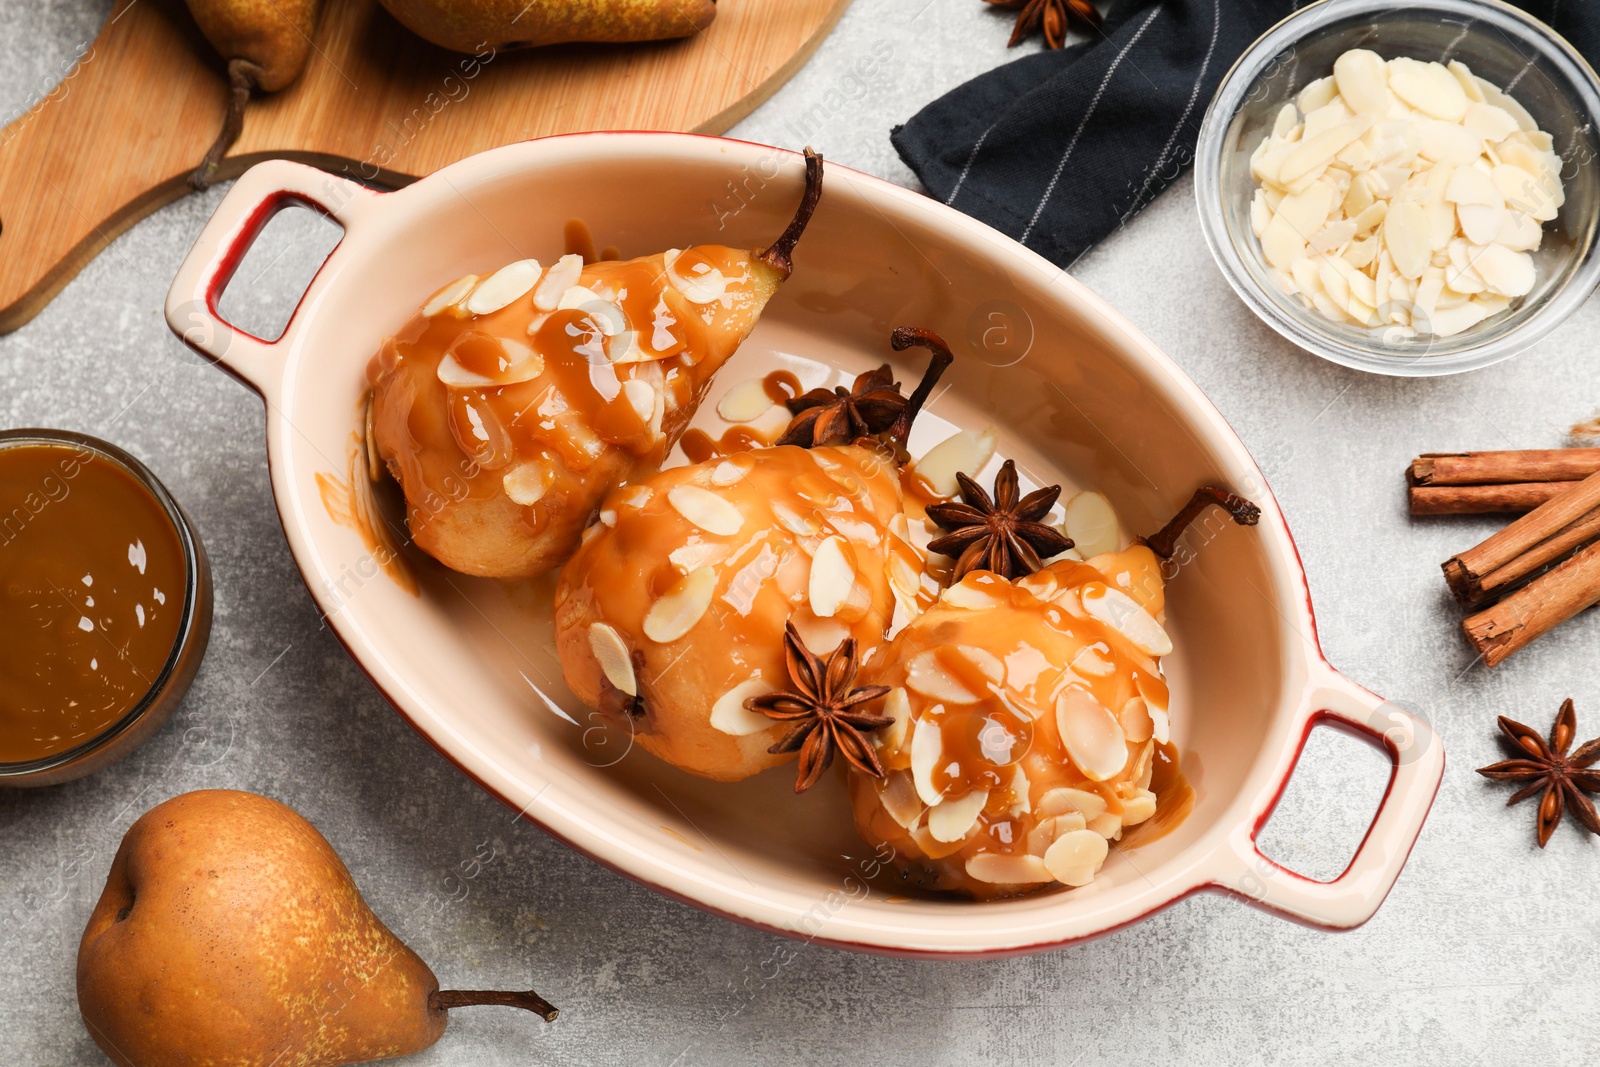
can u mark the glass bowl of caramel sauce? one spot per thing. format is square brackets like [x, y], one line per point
[105, 605]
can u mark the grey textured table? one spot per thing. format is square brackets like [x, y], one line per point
[1483, 954]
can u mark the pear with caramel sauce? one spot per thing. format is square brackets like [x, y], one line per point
[671, 617]
[511, 404]
[1030, 723]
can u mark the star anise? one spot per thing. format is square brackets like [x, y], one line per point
[822, 708]
[1002, 534]
[1051, 17]
[1547, 767]
[873, 404]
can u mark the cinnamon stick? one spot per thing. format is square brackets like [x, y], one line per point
[1573, 537]
[1464, 572]
[1537, 608]
[1496, 468]
[1516, 498]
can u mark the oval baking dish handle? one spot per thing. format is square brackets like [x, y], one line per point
[1352, 898]
[260, 193]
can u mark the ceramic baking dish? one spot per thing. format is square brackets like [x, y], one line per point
[1078, 395]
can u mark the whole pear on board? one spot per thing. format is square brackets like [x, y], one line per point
[230, 934]
[265, 43]
[467, 25]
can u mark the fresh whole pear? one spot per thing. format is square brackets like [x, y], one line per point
[230, 934]
[469, 25]
[266, 44]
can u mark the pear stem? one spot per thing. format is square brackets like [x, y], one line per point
[242, 81]
[1164, 542]
[905, 337]
[445, 999]
[778, 255]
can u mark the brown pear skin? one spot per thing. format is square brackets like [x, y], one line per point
[469, 25]
[230, 934]
[266, 44]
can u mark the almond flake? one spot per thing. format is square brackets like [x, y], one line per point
[899, 798]
[1091, 734]
[1120, 612]
[1091, 522]
[1139, 808]
[1075, 857]
[1362, 78]
[969, 597]
[1137, 725]
[505, 285]
[705, 509]
[1061, 800]
[832, 577]
[449, 296]
[677, 611]
[556, 281]
[730, 715]
[1000, 868]
[611, 652]
[927, 749]
[965, 451]
[526, 483]
[727, 472]
[705, 286]
[1428, 87]
[897, 706]
[955, 819]
[745, 401]
[1505, 272]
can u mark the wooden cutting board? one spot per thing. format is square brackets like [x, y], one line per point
[119, 136]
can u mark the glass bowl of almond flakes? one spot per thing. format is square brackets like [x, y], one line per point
[1406, 189]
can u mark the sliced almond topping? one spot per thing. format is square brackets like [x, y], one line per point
[518, 363]
[611, 652]
[832, 577]
[745, 401]
[1481, 222]
[897, 706]
[449, 296]
[1318, 94]
[499, 289]
[688, 558]
[968, 596]
[707, 510]
[1123, 614]
[556, 281]
[1137, 725]
[730, 715]
[900, 800]
[1108, 826]
[1139, 808]
[926, 675]
[1091, 734]
[965, 451]
[1091, 522]
[677, 611]
[927, 749]
[1406, 230]
[1091, 663]
[955, 819]
[1000, 868]
[641, 398]
[1075, 857]
[526, 483]
[1020, 804]
[727, 472]
[704, 285]
[1062, 800]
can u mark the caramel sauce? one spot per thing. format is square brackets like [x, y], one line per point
[573, 419]
[580, 241]
[699, 446]
[350, 502]
[781, 386]
[93, 580]
[1175, 799]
